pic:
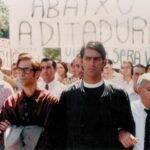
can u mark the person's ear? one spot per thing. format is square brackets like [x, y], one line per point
[138, 89]
[37, 74]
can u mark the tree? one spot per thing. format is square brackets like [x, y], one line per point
[4, 24]
[52, 53]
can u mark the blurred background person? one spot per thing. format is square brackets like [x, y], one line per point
[47, 78]
[62, 71]
[14, 70]
[12, 79]
[77, 71]
[71, 67]
[110, 75]
[10, 76]
[138, 70]
[3, 70]
[141, 113]
[126, 71]
[78, 68]
[5, 91]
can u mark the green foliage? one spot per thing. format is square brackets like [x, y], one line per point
[52, 53]
[4, 24]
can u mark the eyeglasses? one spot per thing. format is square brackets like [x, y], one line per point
[24, 70]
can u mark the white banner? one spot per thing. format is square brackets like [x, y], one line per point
[121, 25]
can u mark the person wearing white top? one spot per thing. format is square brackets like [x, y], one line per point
[54, 86]
[110, 75]
[138, 111]
[47, 80]
[126, 71]
[5, 91]
[138, 70]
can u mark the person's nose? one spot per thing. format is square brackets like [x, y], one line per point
[21, 73]
[92, 61]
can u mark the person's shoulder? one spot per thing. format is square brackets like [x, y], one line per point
[47, 96]
[137, 109]
[74, 86]
[59, 84]
[118, 95]
[13, 99]
[135, 105]
[113, 87]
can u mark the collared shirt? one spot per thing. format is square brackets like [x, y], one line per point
[38, 109]
[128, 86]
[139, 117]
[55, 87]
[87, 85]
[20, 109]
[133, 96]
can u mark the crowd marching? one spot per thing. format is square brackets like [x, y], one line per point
[85, 105]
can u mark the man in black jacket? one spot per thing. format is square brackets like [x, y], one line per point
[92, 112]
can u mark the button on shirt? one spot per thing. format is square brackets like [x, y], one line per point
[139, 115]
[26, 109]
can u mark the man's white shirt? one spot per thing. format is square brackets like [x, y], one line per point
[133, 96]
[139, 117]
[55, 87]
[128, 86]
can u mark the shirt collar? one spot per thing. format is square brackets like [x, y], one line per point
[142, 105]
[52, 83]
[87, 85]
[33, 96]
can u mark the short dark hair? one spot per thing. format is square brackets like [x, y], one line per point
[97, 46]
[35, 64]
[48, 59]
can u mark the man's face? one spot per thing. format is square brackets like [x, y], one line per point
[93, 63]
[137, 72]
[48, 71]
[25, 73]
[144, 92]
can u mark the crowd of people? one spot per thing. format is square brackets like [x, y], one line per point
[86, 105]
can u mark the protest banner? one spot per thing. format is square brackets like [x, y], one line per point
[123, 26]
